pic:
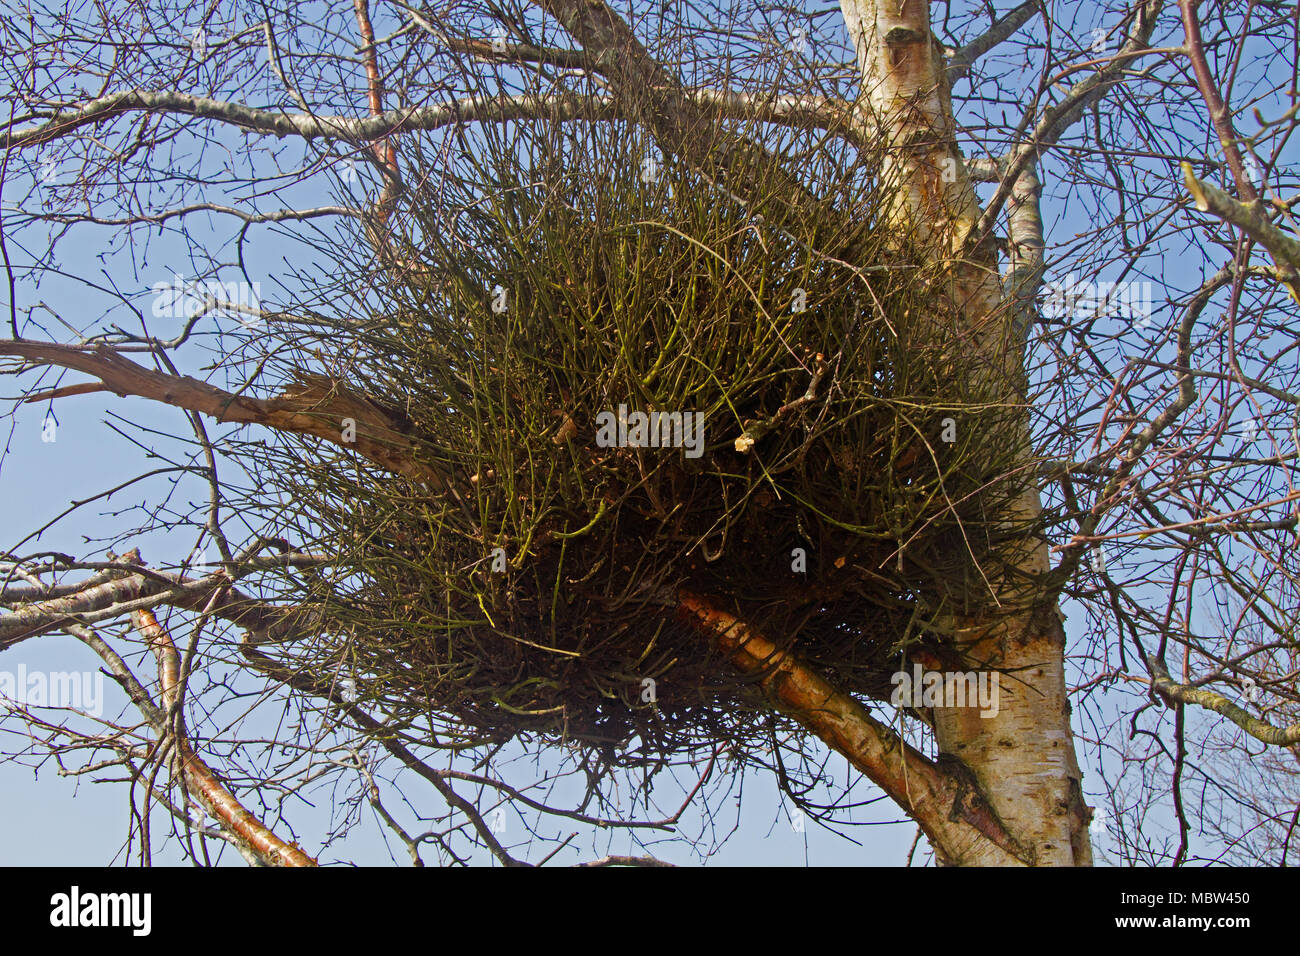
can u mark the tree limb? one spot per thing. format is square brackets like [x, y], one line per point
[1057, 119]
[108, 596]
[951, 811]
[961, 61]
[1249, 217]
[1220, 118]
[199, 778]
[1261, 730]
[786, 110]
[315, 407]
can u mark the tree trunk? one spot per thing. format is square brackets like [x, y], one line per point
[1022, 759]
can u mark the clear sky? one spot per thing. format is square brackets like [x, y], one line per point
[51, 817]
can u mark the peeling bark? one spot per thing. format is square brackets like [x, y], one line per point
[946, 803]
[199, 778]
[1023, 757]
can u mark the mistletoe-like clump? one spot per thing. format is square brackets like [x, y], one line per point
[629, 385]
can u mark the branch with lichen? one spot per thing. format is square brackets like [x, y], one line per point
[1250, 219]
[1261, 730]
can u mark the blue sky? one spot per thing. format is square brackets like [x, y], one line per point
[51, 818]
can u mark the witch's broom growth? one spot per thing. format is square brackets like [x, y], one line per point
[627, 386]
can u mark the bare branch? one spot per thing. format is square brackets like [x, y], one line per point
[801, 111]
[1261, 730]
[316, 407]
[107, 596]
[1057, 119]
[953, 815]
[1250, 218]
[960, 63]
[216, 798]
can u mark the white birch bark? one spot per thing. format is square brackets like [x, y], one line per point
[1023, 758]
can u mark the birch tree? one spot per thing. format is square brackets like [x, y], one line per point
[1095, 206]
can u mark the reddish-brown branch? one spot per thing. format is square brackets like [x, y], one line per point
[384, 150]
[314, 407]
[376, 226]
[199, 779]
[1219, 115]
[951, 811]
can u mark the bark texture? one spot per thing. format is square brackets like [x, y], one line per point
[1022, 759]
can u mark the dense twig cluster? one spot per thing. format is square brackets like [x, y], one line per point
[828, 473]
